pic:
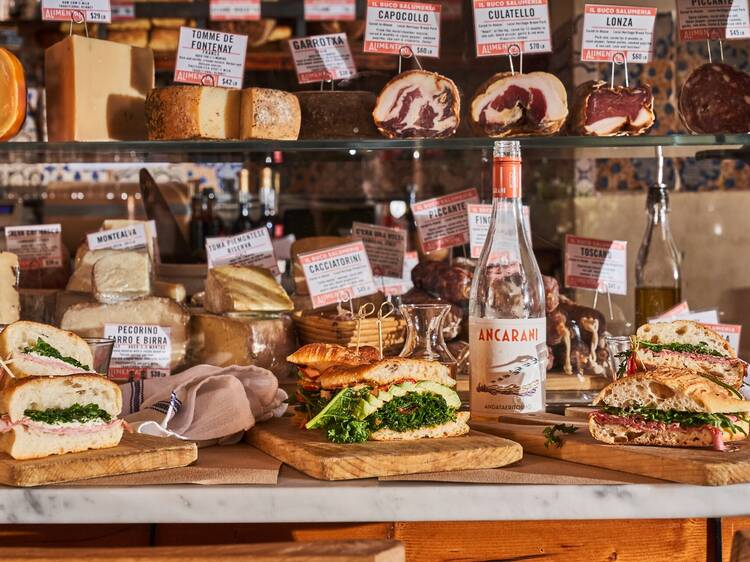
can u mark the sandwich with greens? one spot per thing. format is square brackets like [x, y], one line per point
[669, 407]
[384, 400]
[50, 401]
[684, 344]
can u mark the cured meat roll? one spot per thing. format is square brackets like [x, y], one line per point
[603, 111]
[519, 104]
[716, 99]
[418, 104]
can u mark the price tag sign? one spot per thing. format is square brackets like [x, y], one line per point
[730, 332]
[235, 10]
[674, 313]
[210, 58]
[596, 264]
[479, 225]
[253, 247]
[322, 57]
[385, 248]
[37, 246]
[338, 273]
[77, 11]
[123, 10]
[141, 351]
[442, 222]
[501, 26]
[399, 285]
[392, 24]
[330, 10]
[126, 238]
[701, 20]
[617, 33]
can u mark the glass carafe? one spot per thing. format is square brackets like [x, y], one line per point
[424, 334]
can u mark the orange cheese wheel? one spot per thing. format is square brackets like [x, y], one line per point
[12, 95]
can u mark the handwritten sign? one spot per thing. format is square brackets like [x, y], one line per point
[141, 351]
[322, 57]
[37, 246]
[123, 10]
[699, 21]
[516, 25]
[338, 273]
[385, 248]
[393, 24]
[330, 10]
[126, 238]
[596, 264]
[617, 33]
[253, 247]
[391, 286]
[442, 222]
[210, 58]
[78, 11]
[236, 10]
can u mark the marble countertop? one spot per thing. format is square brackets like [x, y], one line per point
[297, 498]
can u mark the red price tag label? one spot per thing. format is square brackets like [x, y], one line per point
[77, 11]
[330, 10]
[443, 222]
[123, 10]
[699, 21]
[141, 351]
[253, 247]
[596, 264]
[515, 26]
[322, 57]
[37, 246]
[392, 25]
[385, 248]
[617, 33]
[235, 10]
[210, 58]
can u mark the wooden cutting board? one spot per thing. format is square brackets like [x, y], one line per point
[689, 466]
[309, 452]
[135, 453]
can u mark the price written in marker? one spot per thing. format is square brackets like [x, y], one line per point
[500, 25]
[617, 33]
[77, 11]
[392, 25]
[210, 58]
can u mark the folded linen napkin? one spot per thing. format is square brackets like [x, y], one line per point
[204, 403]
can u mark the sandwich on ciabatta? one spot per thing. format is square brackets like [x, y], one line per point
[669, 407]
[684, 344]
[50, 402]
[386, 400]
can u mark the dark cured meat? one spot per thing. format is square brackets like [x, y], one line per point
[716, 99]
[600, 110]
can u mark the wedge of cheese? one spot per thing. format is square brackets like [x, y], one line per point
[96, 90]
[80, 280]
[122, 276]
[10, 305]
[269, 114]
[238, 288]
[193, 112]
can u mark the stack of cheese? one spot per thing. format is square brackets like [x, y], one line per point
[246, 321]
[202, 112]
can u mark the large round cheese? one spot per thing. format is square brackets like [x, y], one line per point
[12, 95]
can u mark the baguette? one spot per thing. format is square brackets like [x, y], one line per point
[685, 331]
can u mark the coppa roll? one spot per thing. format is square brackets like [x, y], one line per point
[12, 95]
[602, 111]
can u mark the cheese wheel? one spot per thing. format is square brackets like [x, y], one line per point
[337, 115]
[12, 95]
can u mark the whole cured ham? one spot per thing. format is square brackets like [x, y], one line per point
[519, 104]
[716, 99]
[418, 104]
[604, 111]
[12, 95]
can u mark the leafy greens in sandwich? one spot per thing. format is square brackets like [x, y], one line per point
[43, 349]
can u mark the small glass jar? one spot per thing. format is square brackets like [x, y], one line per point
[424, 334]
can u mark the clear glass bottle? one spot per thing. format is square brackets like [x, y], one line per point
[507, 324]
[658, 282]
[244, 221]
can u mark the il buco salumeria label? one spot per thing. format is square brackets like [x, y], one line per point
[508, 364]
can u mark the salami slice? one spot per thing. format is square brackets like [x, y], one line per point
[604, 111]
[716, 99]
[418, 104]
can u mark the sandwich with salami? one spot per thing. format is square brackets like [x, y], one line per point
[380, 400]
[684, 344]
[50, 400]
[669, 407]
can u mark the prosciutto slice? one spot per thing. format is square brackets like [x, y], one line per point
[6, 425]
[418, 104]
[519, 104]
[603, 111]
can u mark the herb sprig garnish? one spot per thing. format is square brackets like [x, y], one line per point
[551, 434]
[74, 413]
[44, 349]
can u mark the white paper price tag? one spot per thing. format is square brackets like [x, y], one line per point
[502, 24]
[730, 332]
[385, 248]
[399, 285]
[78, 11]
[123, 10]
[442, 222]
[701, 20]
[337, 274]
[392, 24]
[322, 57]
[253, 247]
[617, 33]
[479, 225]
[126, 238]
[235, 10]
[596, 264]
[330, 10]
[37, 246]
[210, 58]
[141, 351]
